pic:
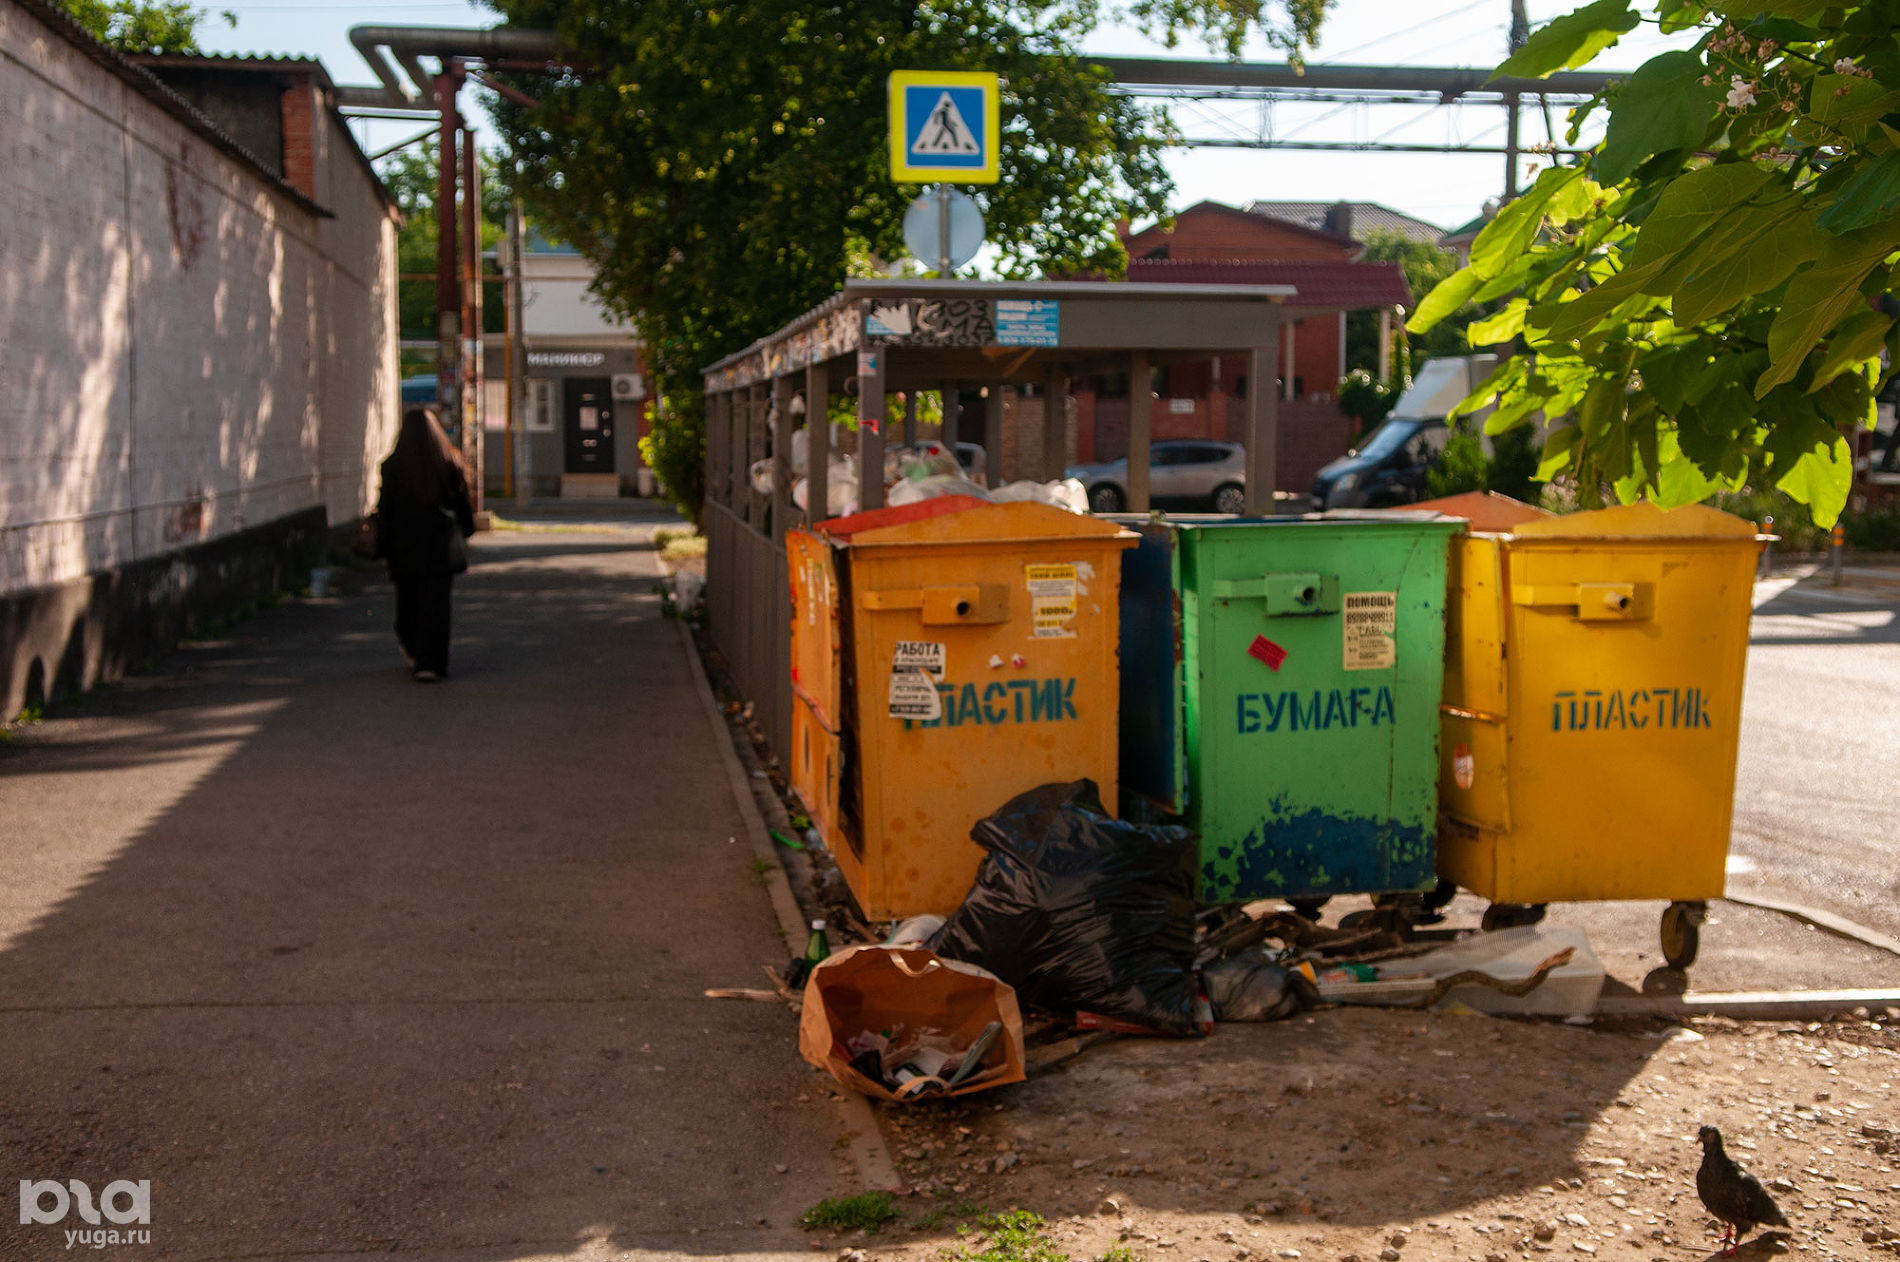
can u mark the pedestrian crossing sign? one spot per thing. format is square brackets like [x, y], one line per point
[944, 126]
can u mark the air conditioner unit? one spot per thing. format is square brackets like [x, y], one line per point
[627, 385]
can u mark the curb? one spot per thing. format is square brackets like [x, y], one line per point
[1750, 1005]
[1839, 926]
[864, 1141]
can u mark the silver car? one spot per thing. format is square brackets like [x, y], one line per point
[1197, 473]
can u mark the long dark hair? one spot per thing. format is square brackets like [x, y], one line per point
[424, 465]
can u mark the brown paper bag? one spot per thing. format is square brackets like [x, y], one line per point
[908, 991]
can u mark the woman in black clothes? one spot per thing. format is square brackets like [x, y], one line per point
[425, 518]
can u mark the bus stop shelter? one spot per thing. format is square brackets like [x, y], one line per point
[878, 338]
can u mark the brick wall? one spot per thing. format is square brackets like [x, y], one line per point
[189, 351]
[300, 137]
[1220, 233]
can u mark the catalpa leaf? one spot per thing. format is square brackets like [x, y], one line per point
[1501, 327]
[1570, 41]
[1872, 195]
[1559, 445]
[1744, 255]
[1820, 478]
[1665, 106]
[1506, 237]
[1853, 344]
[1820, 296]
[1692, 203]
[1446, 297]
[1846, 100]
[1678, 480]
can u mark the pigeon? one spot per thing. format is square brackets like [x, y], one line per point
[1732, 1196]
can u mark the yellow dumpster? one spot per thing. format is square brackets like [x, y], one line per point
[1592, 706]
[944, 662]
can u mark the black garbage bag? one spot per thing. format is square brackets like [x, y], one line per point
[1081, 912]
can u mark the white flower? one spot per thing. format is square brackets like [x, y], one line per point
[1844, 66]
[1741, 93]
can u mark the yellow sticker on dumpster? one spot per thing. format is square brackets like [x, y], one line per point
[1052, 599]
[1371, 623]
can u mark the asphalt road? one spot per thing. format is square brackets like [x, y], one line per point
[342, 963]
[1817, 801]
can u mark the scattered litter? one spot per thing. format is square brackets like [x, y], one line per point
[790, 843]
[1082, 912]
[1254, 985]
[899, 1023]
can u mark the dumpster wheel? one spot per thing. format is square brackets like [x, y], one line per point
[1511, 915]
[1682, 932]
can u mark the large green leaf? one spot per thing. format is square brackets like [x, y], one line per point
[1846, 100]
[1666, 105]
[1562, 321]
[1559, 447]
[1501, 327]
[1872, 195]
[1856, 341]
[1446, 297]
[1821, 478]
[1692, 203]
[1746, 254]
[1678, 480]
[1506, 237]
[1570, 41]
[1818, 297]
[1799, 10]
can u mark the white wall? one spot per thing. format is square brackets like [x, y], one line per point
[555, 301]
[184, 350]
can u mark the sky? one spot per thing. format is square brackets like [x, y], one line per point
[1445, 189]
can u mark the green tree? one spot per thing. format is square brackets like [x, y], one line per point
[722, 163]
[142, 26]
[1706, 297]
[1424, 265]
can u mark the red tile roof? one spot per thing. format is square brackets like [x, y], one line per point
[1322, 286]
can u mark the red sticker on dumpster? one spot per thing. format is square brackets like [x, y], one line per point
[1267, 651]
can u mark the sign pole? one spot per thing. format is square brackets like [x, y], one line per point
[943, 232]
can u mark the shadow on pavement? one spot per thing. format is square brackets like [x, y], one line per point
[344, 963]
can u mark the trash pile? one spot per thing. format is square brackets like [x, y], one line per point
[1090, 923]
[923, 471]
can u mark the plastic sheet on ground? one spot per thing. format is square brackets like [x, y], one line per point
[1508, 956]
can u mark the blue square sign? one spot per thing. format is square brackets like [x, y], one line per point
[944, 126]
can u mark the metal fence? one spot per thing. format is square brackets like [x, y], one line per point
[749, 606]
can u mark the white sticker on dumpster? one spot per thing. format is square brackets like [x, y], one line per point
[920, 655]
[914, 696]
[1371, 623]
[1052, 591]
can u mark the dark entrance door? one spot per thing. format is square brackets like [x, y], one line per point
[590, 425]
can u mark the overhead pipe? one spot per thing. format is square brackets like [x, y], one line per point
[408, 43]
[1449, 82]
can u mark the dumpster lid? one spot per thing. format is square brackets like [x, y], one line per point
[1486, 510]
[878, 518]
[1642, 520]
[981, 522]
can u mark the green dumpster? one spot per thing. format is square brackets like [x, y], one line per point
[1280, 689]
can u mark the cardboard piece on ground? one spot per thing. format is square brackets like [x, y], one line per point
[909, 989]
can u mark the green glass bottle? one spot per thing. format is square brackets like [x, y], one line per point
[818, 947]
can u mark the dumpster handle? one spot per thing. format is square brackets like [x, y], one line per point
[1591, 602]
[1297, 593]
[970, 603]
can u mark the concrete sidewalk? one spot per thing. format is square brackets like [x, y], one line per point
[343, 963]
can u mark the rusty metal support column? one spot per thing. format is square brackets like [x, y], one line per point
[1141, 403]
[474, 422]
[782, 390]
[871, 408]
[448, 287]
[993, 435]
[1055, 422]
[1263, 425]
[817, 443]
